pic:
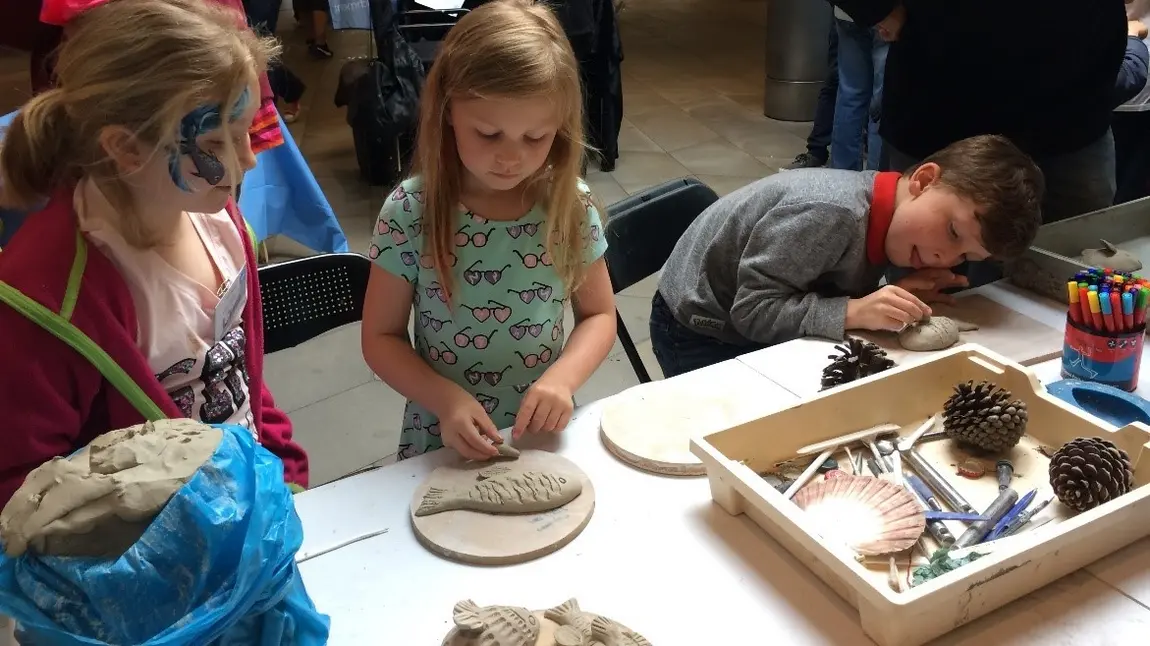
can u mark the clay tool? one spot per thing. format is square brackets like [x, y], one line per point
[896, 468]
[953, 515]
[932, 436]
[856, 465]
[875, 469]
[937, 482]
[906, 443]
[849, 438]
[1014, 526]
[1004, 469]
[1074, 309]
[808, 473]
[878, 456]
[936, 528]
[1011, 515]
[997, 509]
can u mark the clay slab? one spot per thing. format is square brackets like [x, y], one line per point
[501, 539]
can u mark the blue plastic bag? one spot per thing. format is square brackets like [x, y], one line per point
[216, 566]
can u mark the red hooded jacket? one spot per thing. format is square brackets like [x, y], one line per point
[53, 400]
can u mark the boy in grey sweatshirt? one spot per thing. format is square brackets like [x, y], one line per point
[801, 253]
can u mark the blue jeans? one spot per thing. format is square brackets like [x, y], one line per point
[820, 138]
[679, 349]
[862, 63]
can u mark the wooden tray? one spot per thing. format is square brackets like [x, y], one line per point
[906, 396]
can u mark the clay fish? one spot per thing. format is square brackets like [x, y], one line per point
[494, 625]
[575, 625]
[933, 333]
[605, 632]
[503, 490]
[1110, 256]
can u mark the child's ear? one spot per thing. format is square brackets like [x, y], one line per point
[923, 176]
[124, 148]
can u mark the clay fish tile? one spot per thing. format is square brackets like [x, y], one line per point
[495, 625]
[569, 615]
[507, 492]
[605, 632]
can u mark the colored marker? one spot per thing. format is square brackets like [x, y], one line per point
[1084, 301]
[1075, 310]
[1116, 307]
[1140, 307]
[1095, 310]
[1107, 315]
[1128, 311]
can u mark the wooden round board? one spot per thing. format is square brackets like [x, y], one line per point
[501, 539]
[650, 426]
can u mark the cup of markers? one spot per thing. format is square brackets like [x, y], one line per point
[1105, 327]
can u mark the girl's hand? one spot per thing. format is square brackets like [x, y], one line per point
[468, 429]
[546, 407]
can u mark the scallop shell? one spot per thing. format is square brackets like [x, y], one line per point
[492, 626]
[870, 515]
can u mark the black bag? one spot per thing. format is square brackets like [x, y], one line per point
[382, 99]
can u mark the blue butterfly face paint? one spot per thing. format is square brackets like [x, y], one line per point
[203, 119]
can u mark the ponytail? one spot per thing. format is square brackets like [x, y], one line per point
[33, 151]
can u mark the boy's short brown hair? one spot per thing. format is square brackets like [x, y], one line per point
[1003, 182]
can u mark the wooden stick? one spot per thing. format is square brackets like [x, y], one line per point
[907, 442]
[866, 433]
[808, 473]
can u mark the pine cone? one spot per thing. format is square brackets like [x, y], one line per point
[857, 359]
[1089, 471]
[985, 416]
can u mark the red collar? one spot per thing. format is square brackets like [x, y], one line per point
[881, 213]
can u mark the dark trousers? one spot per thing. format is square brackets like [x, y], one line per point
[819, 141]
[285, 85]
[679, 349]
[1131, 155]
[1076, 183]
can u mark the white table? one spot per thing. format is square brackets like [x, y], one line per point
[657, 555]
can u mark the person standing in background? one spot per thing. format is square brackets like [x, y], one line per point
[959, 69]
[819, 141]
[1131, 122]
[855, 140]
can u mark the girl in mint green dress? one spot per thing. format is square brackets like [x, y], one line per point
[488, 242]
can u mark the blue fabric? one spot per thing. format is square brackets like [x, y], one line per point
[862, 63]
[216, 566]
[279, 196]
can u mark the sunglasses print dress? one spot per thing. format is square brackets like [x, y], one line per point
[507, 326]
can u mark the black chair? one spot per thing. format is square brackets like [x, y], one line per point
[641, 234]
[304, 298]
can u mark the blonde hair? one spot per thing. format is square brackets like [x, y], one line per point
[138, 64]
[504, 49]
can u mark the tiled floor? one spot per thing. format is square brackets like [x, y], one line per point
[692, 84]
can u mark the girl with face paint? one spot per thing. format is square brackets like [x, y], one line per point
[140, 249]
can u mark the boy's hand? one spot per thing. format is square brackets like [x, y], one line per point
[890, 308]
[468, 429]
[928, 283]
[546, 407]
[1136, 29]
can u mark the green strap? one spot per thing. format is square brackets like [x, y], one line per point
[64, 330]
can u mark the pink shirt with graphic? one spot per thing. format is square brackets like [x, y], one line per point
[199, 363]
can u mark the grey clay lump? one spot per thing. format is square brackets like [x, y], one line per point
[933, 333]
